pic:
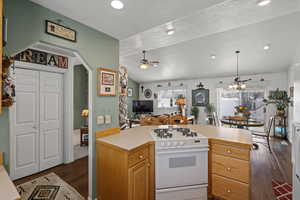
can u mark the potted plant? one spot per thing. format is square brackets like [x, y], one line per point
[195, 113]
[209, 110]
[280, 99]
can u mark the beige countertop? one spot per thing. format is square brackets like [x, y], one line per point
[135, 137]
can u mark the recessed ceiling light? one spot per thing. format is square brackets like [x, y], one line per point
[267, 47]
[213, 57]
[171, 31]
[263, 2]
[117, 4]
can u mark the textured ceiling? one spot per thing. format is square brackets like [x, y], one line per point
[137, 15]
[203, 27]
[191, 59]
[222, 17]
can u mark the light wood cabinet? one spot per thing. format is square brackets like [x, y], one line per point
[126, 175]
[229, 171]
[139, 181]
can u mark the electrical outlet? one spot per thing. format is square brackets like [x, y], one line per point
[100, 119]
[107, 119]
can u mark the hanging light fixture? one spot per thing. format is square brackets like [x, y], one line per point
[238, 84]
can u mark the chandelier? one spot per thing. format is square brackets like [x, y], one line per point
[238, 84]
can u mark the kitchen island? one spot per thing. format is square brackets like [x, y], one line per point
[126, 163]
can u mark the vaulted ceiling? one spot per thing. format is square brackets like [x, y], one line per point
[202, 28]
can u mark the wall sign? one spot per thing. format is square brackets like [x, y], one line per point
[60, 31]
[43, 58]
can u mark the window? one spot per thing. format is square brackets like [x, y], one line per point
[167, 97]
[253, 99]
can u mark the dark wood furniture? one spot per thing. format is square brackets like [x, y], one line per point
[242, 123]
[134, 121]
[84, 132]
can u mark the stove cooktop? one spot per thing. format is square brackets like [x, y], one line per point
[174, 132]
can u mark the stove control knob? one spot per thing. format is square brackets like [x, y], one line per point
[181, 143]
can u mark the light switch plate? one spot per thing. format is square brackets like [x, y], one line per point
[107, 119]
[100, 119]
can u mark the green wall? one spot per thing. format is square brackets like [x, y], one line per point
[81, 79]
[26, 26]
[135, 86]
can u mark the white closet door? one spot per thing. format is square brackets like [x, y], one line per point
[51, 119]
[25, 116]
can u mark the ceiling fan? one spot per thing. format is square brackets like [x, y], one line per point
[238, 84]
[145, 63]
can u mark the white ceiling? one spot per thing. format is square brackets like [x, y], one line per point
[203, 27]
[137, 15]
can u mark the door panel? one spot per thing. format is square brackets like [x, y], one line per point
[26, 118]
[51, 118]
[139, 181]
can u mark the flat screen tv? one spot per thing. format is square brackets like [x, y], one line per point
[142, 106]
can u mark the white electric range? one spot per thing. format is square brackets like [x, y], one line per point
[181, 164]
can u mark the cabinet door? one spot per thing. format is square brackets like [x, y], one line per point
[139, 181]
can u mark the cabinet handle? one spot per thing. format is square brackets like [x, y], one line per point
[141, 157]
[228, 169]
[298, 177]
[228, 191]
[229, 151]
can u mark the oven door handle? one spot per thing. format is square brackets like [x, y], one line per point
[183, 151]
[181, 188]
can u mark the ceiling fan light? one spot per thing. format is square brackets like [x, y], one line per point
[263, 2]
[144, 66]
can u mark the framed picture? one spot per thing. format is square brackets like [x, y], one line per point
[200, 97]
[60, 31]
[130, 92]
[107, 82]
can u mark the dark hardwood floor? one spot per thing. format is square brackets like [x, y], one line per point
[75, 174]
[265, 167]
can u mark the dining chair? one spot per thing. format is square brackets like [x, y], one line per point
[216, 120]
[265, 134]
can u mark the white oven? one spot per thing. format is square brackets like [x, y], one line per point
[181, 167]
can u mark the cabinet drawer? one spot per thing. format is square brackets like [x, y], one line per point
[137, 156]
[231, 151]
[228, 189]
[231, 168]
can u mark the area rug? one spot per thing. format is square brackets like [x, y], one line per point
[282, 191]
[48, 187]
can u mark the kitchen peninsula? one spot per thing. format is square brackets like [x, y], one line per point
[126, 164]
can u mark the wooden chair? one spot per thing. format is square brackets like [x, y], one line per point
[178, 120]
[107, 132]
[266, 134]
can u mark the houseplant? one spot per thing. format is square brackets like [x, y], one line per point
[195, 113]
[209, 110]
[280, 99]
